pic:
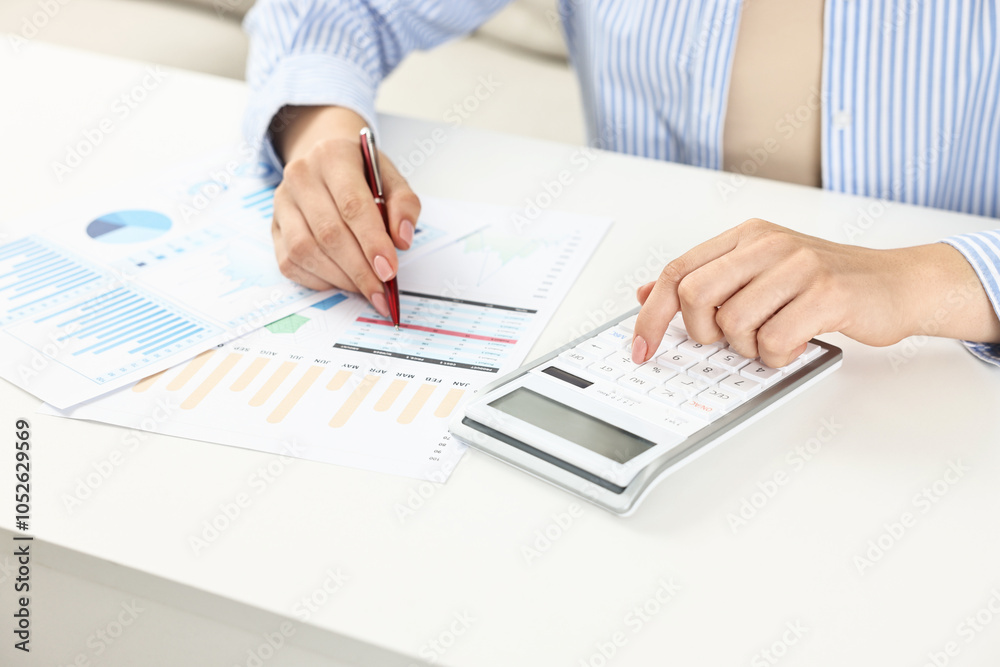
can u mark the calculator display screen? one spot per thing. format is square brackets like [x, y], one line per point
[560, 419]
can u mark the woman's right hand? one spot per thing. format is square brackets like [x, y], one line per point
[327, 230]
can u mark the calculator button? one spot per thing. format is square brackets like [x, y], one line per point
[655, 372]
[668, 395]
[687, 385]
[707, 372]
[729, 359]
[720, 398]
[812, 351]
[739, 385]
[758, 371]
[575, 358]
[671, 339]
[637, 383]
[697, 350]
[595, 348]
[628, 323]
[677, 360]
[607, 371]
[622, 358]
[794, 365]
[701, 409]
[615, 336]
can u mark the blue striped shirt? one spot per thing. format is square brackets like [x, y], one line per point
[910, 93]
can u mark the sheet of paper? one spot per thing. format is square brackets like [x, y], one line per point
[337, 383]
[108, 289]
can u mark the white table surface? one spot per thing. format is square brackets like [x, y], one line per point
[461, 553]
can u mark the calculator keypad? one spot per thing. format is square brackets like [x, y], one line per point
[683, 387]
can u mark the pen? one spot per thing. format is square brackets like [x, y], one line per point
[374, 178]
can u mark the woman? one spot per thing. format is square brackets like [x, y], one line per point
[906, 101]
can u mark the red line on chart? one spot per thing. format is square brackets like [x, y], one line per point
[446, 332]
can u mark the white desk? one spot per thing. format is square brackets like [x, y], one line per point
[461, 553]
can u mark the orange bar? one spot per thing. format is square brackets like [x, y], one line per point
[272, 383]
[244, 380]
[450, 401]
[353, 401]
[338, 380]
[147, 382]
[390, 395]
[416, 403]
[214, 378]
[189, 370]
[290, 399]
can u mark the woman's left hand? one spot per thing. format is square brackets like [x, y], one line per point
[768, 290]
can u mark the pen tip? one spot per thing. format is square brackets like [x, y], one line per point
[397, 327]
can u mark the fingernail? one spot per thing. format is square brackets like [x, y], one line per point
[381, 305]
[638, 350]
[382, 268]
[406, 232]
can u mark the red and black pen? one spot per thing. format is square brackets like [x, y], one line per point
[374, 177]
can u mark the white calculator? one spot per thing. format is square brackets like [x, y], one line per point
[587, 419]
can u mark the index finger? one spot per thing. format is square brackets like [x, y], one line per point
[663, 303]
[345, 180]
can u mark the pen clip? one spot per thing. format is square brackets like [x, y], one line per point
[371, 161]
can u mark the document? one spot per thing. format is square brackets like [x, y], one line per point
[335, 382]
[104, 291]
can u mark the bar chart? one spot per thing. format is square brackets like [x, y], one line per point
[276, 387]
[34, 275]
[338, 379]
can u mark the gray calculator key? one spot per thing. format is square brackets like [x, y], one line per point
[607, 371]
[741, 386]
[668, 395]
[720, 398]
[731, 359]
[707, 372]
[595, 348]
[575, 358]
[687, 385]
[699, 350]
[676, 360]
[655, 372]
[616, 336]
[758, 371]
[637, 383]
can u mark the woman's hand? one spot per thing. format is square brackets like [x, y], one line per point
[327, 230]
[768, 290]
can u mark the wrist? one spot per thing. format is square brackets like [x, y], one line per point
[308, 126]
[941, 295]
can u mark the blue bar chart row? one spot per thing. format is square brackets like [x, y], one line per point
[34, 275]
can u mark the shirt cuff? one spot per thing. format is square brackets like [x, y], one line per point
[988, 352]
[306, 80]
[982, 251]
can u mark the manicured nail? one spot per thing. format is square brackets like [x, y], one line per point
[638, 350]
[382, 268]
[406, 232]
[381, 305]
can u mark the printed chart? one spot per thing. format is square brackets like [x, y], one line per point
[442, 330]
[342, 385]
[119, 285]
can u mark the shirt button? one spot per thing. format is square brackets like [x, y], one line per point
[842, 119]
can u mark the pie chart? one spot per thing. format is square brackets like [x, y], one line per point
[128, 227]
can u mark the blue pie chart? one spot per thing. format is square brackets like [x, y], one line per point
[128, 227]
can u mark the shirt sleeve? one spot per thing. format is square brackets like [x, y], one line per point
[318, 52]
[982, 250]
